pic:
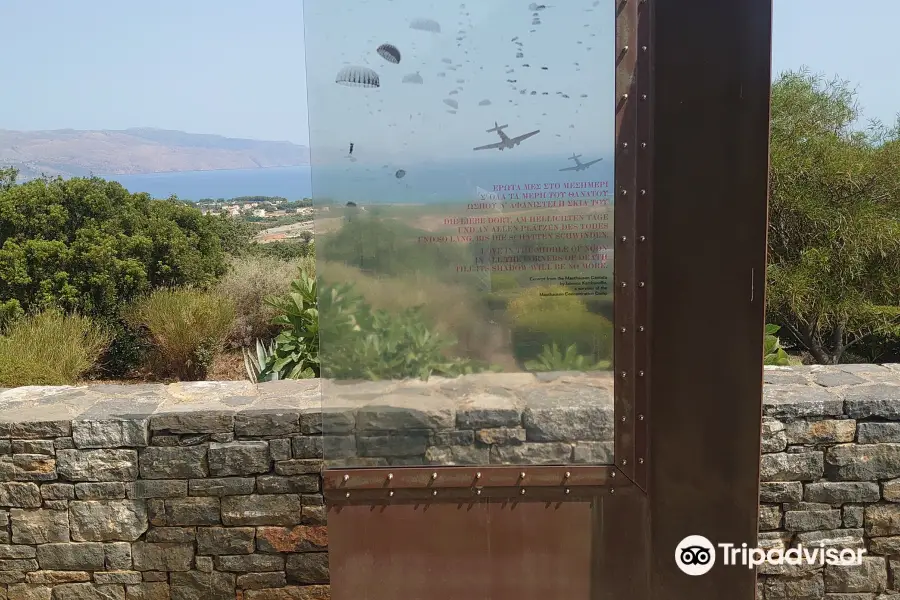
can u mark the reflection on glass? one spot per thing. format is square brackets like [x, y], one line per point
[462, 178]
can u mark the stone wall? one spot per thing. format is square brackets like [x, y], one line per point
[213, 490]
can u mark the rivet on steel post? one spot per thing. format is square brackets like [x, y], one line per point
[346, 477]
[624, 239]
[522, 475]
[390, 475]
[624, 192]
[434, 493]
[643, 192]
[347, 495]
[640, 461]
[477, 492]
[567, 475]
[623, 330]
[522, 491]
[640, 373]
[624, 48]
[642, 238]
[640, 328]
[624, 284]
[640, 417]
[391, 493]
[643, 144]
[612, 490]
[623, 374]
[567, 490]
[641, 284]
[624, 461]
[624, 144]
[613, 475]
[624, 96]
[643, 96]
[434, 475]
[478, 475]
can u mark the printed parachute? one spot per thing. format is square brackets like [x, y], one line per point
[358, 77]
[389, 53]
[425, 25]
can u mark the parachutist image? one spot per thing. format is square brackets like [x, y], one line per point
[351, 148]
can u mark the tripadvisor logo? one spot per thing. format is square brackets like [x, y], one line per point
[696, 555]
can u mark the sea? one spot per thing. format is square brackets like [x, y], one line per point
[424, 183]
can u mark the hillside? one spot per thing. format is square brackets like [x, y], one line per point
[130, 151]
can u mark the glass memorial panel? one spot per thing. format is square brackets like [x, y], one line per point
[462, 175]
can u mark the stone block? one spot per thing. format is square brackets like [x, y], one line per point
[780, 491]
[107, 490]
[162, 557]
[97, 465]
[196, 585]
[880, 400]
[118, 577]
[312, 446]
[57, 577]
[111, 433]
[452, 437]
[304, 592]
[298, 467]
[17, 551]
[239, 458]
[485, 411]
[567, 415]
[800, 401]
[192, 422]
[88, 591]
[40, 430]
[148, 591]
[840, 492]
[532, 453]
[812, 520]
[173, 463]
[853, 516]
[808, 587]
[882, 520]
[813, 431]
[501, 436]
[774, 438]
[20, 495]
[107, 520]
[280, 449]
[275, 484]
[870, 576]
[594, 453]
[878, 433]
[403, 443]
[261, 581]
[224, 486]
[261, 510]
[157, 488]
[184, 512]
[171, 535]
[404, 412]
[308, 568]
[27, 467]
[302, 538]
[833, 538]
[266, 423]
[44, 447]
[39, 526]
[863, 462]
[225, 540]
[55, 491]
[250, 563]
[28, 591]
[769, 517]
[117, 556]
[887, 546]
[77, 556]
[457, 455]
[782, 466]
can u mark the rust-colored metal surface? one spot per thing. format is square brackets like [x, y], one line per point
[625, 233]
[711, 112]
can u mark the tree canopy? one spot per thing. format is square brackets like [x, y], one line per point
[88, 245]
[834, 218]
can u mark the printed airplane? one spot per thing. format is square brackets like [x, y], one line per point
[580, 166]
[505, 140]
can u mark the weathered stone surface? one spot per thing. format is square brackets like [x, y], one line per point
[117, 556]
[813, 431]
[532, 453]
[567, 414]
[97, 465]
[225, 540]
[157, 488]
[261, 581]
[877, 400]
[148, 591]
[839, 492]
[304, 592]
[261, 510]
[184, 512]
[30, 526]
[404, 412]
[488, 411]
[56, 491]
[501, 436]
[108, 490]
[238, 458]
[88, 591]
[280, 449]
[808, 587]
[21, 495]
[888, 546]
[780, 491]
[41, 430]
[195, 421]
[457, 455]
[774, 438]
[878, 433]
[882, 519]
[812, 520]
[171, 535]
[225, 486]
[267, 423]
[302, 538]
[27, 467]
[298, 466]
[312, 446]
[834, 538]
[86, 556]
[111, 433]
[836, 379]
[595, 453]
[800, 401]
[782, 466]
[57, 577]
[196, 585]
[769, 517]
[173, 463]
[45, 447]
[870, 576]
[853, 516]
[863, 462]
[118, 577]
[250, 563]
[275, 484]
[162, 557]
[307, 568]
[403, 443]
[107, 520]
[27, 591]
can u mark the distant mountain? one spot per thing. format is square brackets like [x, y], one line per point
[69, 152]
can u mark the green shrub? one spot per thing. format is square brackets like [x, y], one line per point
[248, 284]
[773, 353]
[187, 328]
[552, 359]
[49, 349]
[591, 334]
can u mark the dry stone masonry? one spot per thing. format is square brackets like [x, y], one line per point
[208, 491]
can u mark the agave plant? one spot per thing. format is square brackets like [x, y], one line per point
[256, 364]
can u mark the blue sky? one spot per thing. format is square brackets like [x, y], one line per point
[237, 68]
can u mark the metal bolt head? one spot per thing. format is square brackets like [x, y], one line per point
[522, 475]
[623, 284]
[434, 493]
[623, 330]
[643, 48]
[624, 461]
[643, 96]
[643, 144]
[640, 417]
[623, 374]
[623, 419]
[568, 474]
[434, 475]
[612, 490]
[391, 493]
[568, 490]
[624, 96]
[640, 461]
[390, 475]
[641, 284]
[477, 492]
[623, 239]
[643, 192]
[624, 144]
[346, 477]
[624, 192]
[641, 328]
[478, 475]
[522, 491]
[613, 474]
[640, 373]
[624, 48]
[347, 495]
